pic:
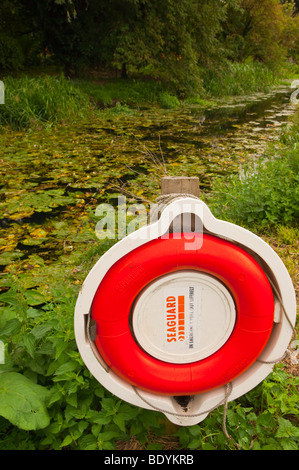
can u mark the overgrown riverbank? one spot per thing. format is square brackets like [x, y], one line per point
[47, 99]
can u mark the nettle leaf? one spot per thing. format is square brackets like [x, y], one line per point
[22, 402]
[63, 372]
[286, 429]
[88, 442]
[41, 331]
[66, 441]
[120, 422]
[34, 297]
[29, 344]
[10, 328]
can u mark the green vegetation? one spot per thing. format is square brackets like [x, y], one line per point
[267, 192]
[42, 100]
[183, 45]
[240, 79]
[132, 92]
[47, 99]
[259, 421]
[102, 99]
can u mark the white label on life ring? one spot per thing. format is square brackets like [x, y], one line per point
[182, 313]
[183, 317]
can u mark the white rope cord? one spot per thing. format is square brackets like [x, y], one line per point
[164, 200]
[228, 390]
[224, 401]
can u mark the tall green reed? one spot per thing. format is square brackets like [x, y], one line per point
[40, 100]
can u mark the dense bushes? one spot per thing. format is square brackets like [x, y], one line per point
[48, 99]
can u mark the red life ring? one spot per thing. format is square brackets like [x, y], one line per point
[231, 265]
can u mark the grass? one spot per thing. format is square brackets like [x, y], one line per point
[48, 99]
[129, 92]
[39, 100]
[239, 79]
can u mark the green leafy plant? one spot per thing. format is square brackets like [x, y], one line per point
[23, 401]
[168, 101]
[238, 78]
[263, 419]
[44, 385]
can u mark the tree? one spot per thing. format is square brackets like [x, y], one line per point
[258, 29]
[165, 38]
[11, 32]
[173, 41]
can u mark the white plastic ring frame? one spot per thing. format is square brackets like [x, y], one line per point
[199, 406]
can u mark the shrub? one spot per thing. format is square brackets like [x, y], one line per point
[129, 92]
[168, 101]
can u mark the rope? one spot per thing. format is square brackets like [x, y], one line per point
[164, 200]
[294, 334]
[224, 401]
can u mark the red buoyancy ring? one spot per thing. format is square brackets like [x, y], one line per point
[230, 264]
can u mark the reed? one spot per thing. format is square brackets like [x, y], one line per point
[40, 100]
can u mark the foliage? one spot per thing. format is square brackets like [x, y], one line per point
[44, 378]
[168, 101]
[176, 43]
[11, 51]
[261, 420]
[260, 30]
[238, 79]
[130, 92]
[268, 191]
[40, 100]
[23, 401]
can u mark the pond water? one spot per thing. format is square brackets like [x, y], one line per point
[240, 126]
[52, 179]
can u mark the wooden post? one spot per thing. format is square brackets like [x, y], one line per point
[180, 185]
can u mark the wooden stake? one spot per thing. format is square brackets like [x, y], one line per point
[180, 185]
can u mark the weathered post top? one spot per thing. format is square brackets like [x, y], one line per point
[180, 185]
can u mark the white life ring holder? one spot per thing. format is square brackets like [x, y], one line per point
[201, 402]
